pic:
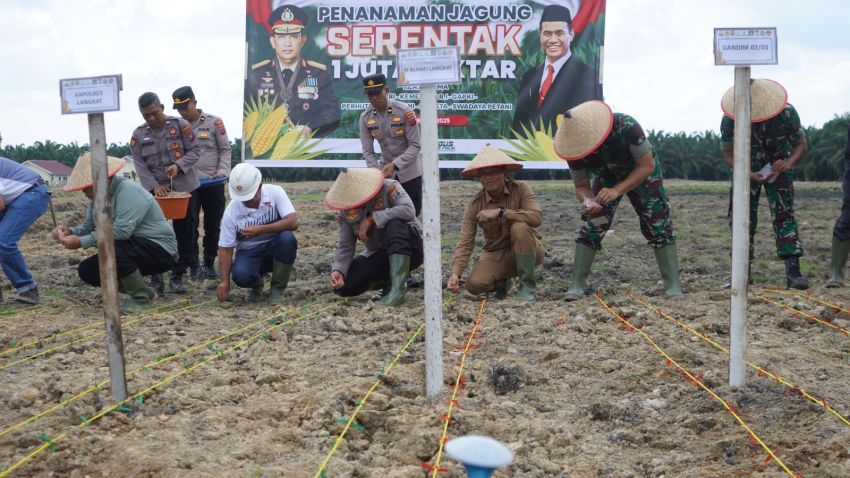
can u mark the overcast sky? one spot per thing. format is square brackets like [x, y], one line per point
[658, 59]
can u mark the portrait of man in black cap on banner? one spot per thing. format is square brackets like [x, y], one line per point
[560, 82]
[303, 85]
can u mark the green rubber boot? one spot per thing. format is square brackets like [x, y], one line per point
[399, 266]
[141, 296]
[840, 251]
[582, 261]
[525, 265]
[501, 290]
[668, 263]
[255, 292]
[280, 279]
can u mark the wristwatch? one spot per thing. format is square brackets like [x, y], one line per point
[501, 212]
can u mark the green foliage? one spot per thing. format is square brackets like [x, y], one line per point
[683, 155]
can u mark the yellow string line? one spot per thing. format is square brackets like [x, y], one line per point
[162, 382]
[762, 371]
[816, 319]
[452, 400]
[97, 334]
[699, 383]
[83, 327]
[364, 399]
[144, 367]
[808, 296]
[11, 312]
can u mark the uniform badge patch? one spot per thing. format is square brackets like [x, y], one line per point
[220, 125]
[376, 134]
[132, 141]
[177, 155]
[172, 131]
[396, 119]
[411, 118]
[353, 214]
[187, 130]
[392, 193]
[398, 132]
[370, 122]
[203, 133]
[379, 203]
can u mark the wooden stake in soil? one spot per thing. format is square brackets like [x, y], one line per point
[740, 229]
[106, 258]
[431, 226]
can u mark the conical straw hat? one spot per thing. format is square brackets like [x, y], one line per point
[353, 187]
[80, 177]
[488, 157]
[583, 130]
[768, 99]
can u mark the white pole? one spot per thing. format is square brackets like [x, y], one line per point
[431, 225]
[740, 229]
[106, 258]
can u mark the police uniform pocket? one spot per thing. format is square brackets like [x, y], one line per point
[148, 149]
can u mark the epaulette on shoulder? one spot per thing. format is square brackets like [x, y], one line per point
[316, 64]
[260, 64]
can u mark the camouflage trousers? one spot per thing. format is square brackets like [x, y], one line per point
[780, 198]
[649, 201]
[842, 225]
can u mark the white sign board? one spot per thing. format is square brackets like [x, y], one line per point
[745, 46]
[90, 95]
[428, 66]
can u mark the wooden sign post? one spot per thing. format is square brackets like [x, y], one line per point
[741, 47]
[94, 96]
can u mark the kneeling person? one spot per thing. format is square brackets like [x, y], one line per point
[379, 212]
[257, 226]
[144, 241]
[509, 214]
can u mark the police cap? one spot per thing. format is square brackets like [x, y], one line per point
[182, 96]
[374, 84]
[287, 19]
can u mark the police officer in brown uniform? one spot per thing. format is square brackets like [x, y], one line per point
[509, 214]
[394, 126]
[303, 85]
[379, 212]
[165, 153]
[212, 169]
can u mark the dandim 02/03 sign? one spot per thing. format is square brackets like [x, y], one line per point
[305, 65]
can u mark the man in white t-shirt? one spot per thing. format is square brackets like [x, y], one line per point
[257, 228]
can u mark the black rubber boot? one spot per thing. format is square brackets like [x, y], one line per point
[793, 278]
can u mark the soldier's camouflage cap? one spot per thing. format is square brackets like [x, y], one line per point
[287, 19]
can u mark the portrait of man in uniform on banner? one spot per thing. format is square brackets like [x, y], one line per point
[302, 86]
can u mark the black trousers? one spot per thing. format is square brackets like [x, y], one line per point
[131, 254]
[399, 238]
[842, 225]
[187, 244]
[413, 188]
[211, 200]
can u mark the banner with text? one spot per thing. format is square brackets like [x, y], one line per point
[306, 61]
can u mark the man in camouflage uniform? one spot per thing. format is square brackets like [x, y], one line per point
[778, 140]
[841, 231]
[165, 153]
[621, 161]
[303, 85]
[212, 169]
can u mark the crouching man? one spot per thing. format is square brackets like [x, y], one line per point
[379, 212]
[144, 241]
[257, 229]
[509, 215]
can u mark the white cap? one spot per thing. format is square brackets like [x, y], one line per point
[245, 179]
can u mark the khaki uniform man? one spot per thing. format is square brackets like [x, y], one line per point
[165, 153]
[394, 126]
[212, 169]
[509, 215]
